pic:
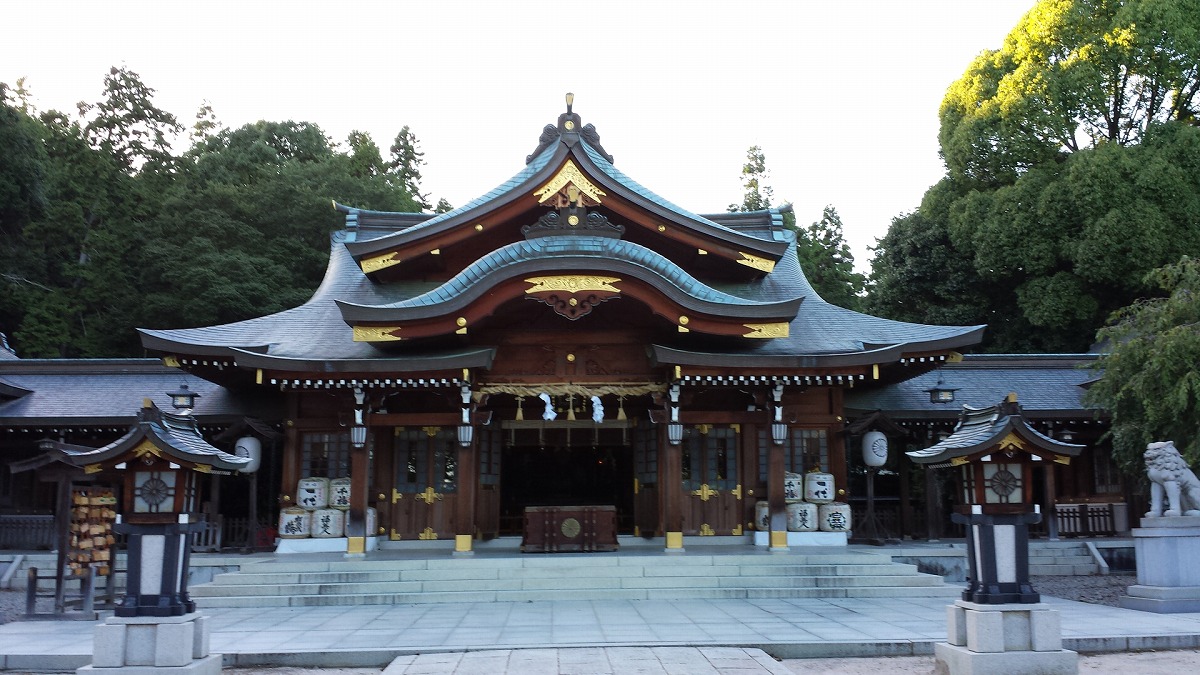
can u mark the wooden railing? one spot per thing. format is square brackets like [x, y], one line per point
[27, 532]
[1085, 520]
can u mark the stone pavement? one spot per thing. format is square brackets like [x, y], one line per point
[375, 635]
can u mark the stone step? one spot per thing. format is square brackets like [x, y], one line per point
[633, 575]
[572, 574]
[575, 594]
[1063, 570]
[563, 584]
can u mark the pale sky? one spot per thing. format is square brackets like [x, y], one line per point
[842, 96]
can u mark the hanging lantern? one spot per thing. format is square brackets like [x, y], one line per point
[874, 448]
[250, 447]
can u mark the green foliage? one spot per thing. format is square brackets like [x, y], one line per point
[103, 229]
[1072, 74]
[405, 165]
[754, 181]
[827, 262]
[1150, 383]
[1073, 169]
[127, 124]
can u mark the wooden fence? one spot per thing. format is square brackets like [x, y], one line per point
[27, 532]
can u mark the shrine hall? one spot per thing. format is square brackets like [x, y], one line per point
[568, 340]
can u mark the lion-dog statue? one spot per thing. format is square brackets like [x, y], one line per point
[1170, 477]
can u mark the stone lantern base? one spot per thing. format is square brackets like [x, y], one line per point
[148, 645]
[1003, 639]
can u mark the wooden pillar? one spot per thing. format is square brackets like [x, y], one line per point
[776, 499]
[906, 515]
[933, 498]
[671, 472]
[468, 492]
[291, 453]
[356, 517]
[1051, 496]
[749, 473]
[252, 512]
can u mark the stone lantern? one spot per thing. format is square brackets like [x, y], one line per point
[1000, 625]
[159, 459]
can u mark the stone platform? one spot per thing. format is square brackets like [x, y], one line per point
[1168, 564]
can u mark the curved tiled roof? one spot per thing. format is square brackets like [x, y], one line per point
[1043, 383]
[533, 168]
[982, 428]
[570, 252]
[176, 435]
[312, 334]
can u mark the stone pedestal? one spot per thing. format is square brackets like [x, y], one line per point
[145, 645]
[1005, 639]
[1168, 575]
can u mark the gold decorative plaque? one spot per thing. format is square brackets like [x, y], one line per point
[569, 175]
[379, 262]
[572, 284]
[570, 528]
[767, 330]
[756, 262]
[376, 333]
[1012, 442]
[146, 448]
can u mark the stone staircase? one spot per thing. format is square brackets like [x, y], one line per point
[1061, 558]
[384, 578]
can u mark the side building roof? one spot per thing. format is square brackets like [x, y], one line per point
[1047, 385]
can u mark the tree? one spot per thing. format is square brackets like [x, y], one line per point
[1073, 169]
[127, 124]
[206, 125]
[1149, 381]
[1072, 74]
[827, 262]
[754, 181]
[405, 165]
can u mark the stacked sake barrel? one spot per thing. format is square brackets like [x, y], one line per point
[810, 505]
[321, 510]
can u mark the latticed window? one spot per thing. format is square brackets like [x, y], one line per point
[645, 454]
[803, 450]
[325, 455]
[428, 459]
[1108, 480]
[490, 444]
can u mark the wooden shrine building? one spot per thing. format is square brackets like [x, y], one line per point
[569, 338]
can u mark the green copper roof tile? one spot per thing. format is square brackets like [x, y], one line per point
[572, 246]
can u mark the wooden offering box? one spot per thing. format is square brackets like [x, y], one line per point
[569, 529]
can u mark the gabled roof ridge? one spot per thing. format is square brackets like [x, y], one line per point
[616, 174]
[529, 171]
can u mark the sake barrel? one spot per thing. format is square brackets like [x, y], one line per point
[372, 522]
[802, 517]
[793, 487]
[328, 523]
[818, 487]
[312, 493]
[762, 516]
[294, 523]
[834, 517]
[339, 493]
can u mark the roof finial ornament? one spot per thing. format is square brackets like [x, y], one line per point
[570, 101]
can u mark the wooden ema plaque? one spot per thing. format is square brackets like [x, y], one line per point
[569, 529]
[93, 512]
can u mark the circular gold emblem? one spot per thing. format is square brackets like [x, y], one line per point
[569, 125]
[570, 528]
[573, 220]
